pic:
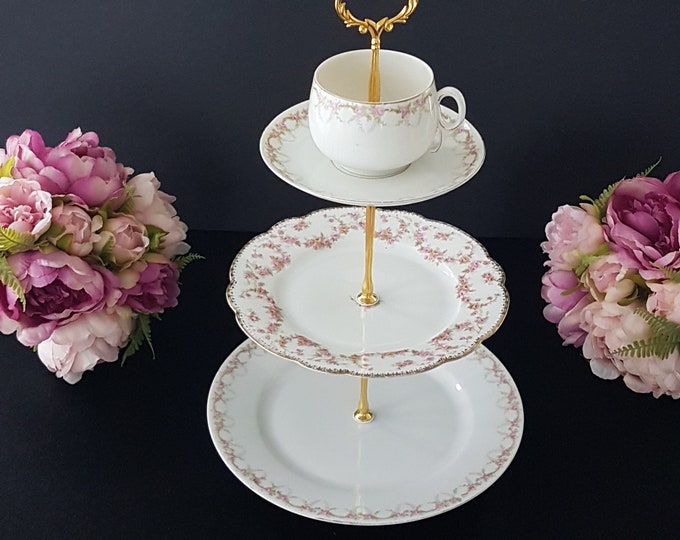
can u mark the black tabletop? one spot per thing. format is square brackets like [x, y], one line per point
[126, 452]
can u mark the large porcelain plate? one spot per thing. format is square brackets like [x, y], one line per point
[438, 439]
[293, 291]
[288, 149]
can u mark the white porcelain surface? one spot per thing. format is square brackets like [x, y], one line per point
[289, 151]
[377, 139]
[438, 439]
[293, 289]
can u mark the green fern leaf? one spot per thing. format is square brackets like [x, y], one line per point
[670, 273]
[649, 169]
[183, 260]
[602, 200]
[664, 340]
[14, 241]
[140, 334]
[8, 279]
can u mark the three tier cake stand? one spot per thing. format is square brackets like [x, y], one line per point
[431, 439]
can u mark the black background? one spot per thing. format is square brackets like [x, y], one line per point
[569, 95]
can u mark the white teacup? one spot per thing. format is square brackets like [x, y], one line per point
[376, 140]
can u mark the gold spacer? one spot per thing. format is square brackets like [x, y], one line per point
[363, 417]
[367, 299]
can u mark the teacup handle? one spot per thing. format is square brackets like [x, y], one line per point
[446, 123]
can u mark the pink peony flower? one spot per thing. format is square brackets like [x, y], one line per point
[571, 234]
[27, 149]
[665, 300]
[153, 207]
[624, 274]
[570, 327]
[24, 207]
[155, 288]
[644, 375]
[604, 273]
[643, 220]
[79, 234]
[78, 166]
[610, 326]
[58, 288]
[126, 238]
[566, 299]
[83, 343]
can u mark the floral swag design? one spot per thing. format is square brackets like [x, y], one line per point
[88, 254]
[613, 281]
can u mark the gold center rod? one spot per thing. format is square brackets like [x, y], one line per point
[363, 413]
[367, 297]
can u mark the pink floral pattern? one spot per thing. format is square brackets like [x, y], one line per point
[479, 289]
[498, 457]
[286, 131]
[370, 116]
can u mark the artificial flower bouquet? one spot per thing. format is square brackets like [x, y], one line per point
[88, 252]
[613, 281]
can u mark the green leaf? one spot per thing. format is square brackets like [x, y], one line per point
[10, 280]
[54, 231]
[128, 205]
[106, 253]
[670, 273]
[64, 242]
[664, 340]
[140, 334]
[6, 169]
[14, 241]
[155, 235]
[649, 169]
[602, 200]
[183, 260]
[590, 258]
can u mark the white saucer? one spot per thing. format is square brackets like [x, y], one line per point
[289, 151]
[438, 439]
[293, 291]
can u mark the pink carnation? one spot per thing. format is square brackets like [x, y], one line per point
[571, 234]
[80, 345]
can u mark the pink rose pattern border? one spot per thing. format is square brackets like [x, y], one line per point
[497, 459]
[480, 289]
[370, 115]
[284, 131]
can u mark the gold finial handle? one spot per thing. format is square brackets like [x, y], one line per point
[374, 29]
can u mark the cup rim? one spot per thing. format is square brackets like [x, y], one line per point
[427, 88]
